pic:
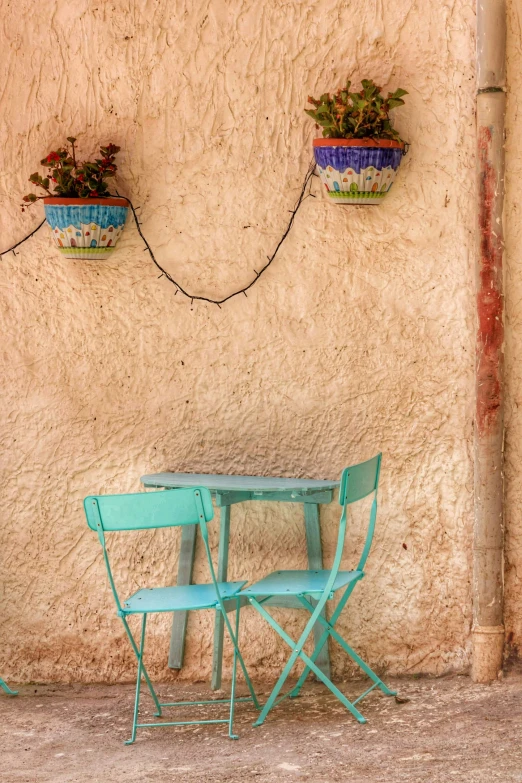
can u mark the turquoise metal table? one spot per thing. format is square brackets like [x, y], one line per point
[226, 491]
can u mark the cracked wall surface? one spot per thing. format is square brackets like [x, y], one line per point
[359, 338]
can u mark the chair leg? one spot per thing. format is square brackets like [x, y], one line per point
[146, 676]
[297, 652]
[219, 626]
[364, 666]
[315, 562]
[234, 671]
[322, 640]
[330, 630]
[138, 681]
[350, 706]
[240, 658]
[294, 693]
[5, 687]
[340, 606]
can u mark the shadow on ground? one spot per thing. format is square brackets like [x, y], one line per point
[449, 729]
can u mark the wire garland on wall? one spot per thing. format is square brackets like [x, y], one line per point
[305, 192]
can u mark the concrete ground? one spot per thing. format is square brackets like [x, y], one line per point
[449, 729]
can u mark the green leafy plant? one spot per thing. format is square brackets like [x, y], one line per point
[357, 115]
[72, 179]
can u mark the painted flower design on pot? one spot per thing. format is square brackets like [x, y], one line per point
[85, 220]
[360, 152]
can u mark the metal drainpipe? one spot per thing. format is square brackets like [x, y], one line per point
[488, 544]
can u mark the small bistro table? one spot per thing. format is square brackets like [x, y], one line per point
[226, 491]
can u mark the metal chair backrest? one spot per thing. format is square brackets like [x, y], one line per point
[357, 482]
[147, 511]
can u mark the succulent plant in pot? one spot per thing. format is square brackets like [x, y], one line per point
[360, 151]
[85, 220]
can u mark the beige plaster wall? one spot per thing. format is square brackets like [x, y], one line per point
[359, 338]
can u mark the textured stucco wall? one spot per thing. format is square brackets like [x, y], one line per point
[359, 338]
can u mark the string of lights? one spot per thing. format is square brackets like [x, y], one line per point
[305, 193]
[13, 247]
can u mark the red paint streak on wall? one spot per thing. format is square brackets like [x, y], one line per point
[490, 334]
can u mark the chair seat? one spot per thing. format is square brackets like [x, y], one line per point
[173, 599]
[299, 582]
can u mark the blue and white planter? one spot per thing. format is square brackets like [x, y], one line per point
[85, 228]
[357, 171]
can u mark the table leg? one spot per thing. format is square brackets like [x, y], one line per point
[185, 567]
[315, 562]
[224, 534]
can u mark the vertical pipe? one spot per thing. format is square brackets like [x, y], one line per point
[488, 543]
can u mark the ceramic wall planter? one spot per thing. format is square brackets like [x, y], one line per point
[85, 228]
[357, 171]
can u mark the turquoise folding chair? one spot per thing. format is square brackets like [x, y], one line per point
[357, 483]
[146, 511]
[5, 687]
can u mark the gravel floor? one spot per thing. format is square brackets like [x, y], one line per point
[448, 729]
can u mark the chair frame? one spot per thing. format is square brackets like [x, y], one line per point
[357, 482]
[204, 513]
[5, 687]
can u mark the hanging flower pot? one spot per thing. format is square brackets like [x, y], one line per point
[357, 171]
[85, 220]
[360, 151]
[85, 228]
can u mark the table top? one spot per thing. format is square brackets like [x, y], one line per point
[237, 483]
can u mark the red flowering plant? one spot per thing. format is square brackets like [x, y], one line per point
[72, 179]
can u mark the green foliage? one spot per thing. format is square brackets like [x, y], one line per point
[72, 179]
[356, 115]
